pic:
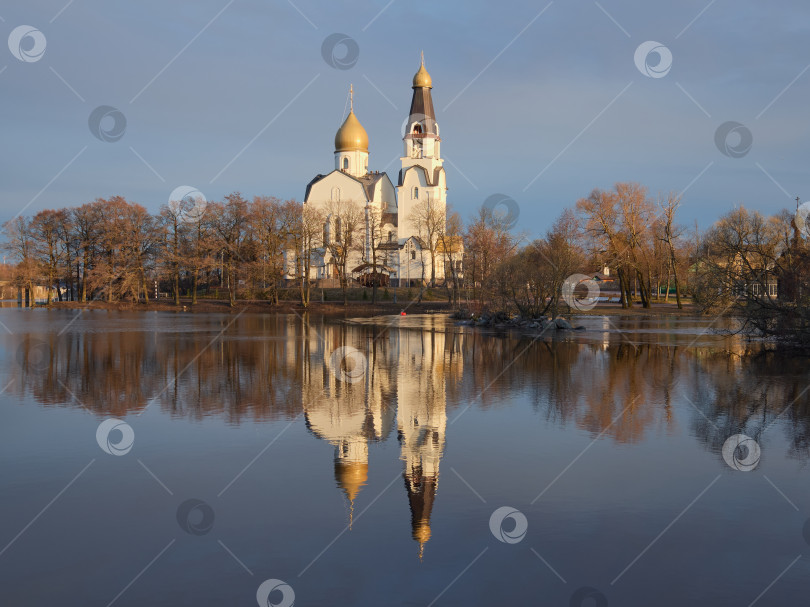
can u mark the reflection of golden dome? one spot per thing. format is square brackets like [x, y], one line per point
[351, 135]
[351, 477]
[422, 79]
[422, 532]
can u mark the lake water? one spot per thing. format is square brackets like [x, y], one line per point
[178, 459]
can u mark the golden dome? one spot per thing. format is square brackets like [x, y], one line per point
[422, 79]
[351, 477]
[351, 135]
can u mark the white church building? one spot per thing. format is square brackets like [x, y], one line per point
[394, 228]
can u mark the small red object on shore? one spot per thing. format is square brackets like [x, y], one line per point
[402, 313]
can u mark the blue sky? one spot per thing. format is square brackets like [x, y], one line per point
[541, 102]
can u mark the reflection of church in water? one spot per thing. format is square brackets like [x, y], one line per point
[405, 383]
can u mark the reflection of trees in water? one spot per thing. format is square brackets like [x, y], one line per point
[747, 393]
[271, 367]
[254, 375]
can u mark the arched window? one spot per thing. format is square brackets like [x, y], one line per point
[337, 229]
[390, 236]
[417, 129]
[335, 194]
[416, 193]
[345, 163]
[413, 254]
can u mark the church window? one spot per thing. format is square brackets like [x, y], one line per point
[390, 236]
[416, 193]
[337, 229]
[413, 254]
[417, 129]
[335, 194]
[345, 164]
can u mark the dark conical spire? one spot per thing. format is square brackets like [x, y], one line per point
[422, 111]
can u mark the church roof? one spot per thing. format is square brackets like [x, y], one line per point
[368, 181]
[431, 179]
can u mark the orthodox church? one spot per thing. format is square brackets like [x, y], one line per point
[393, 228]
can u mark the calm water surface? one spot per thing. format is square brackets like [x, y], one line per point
[361, 463]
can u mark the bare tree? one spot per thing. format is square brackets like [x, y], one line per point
[346, 219]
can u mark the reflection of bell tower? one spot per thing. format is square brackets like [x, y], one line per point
[421, 422]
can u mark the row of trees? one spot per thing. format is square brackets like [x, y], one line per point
[624, 229]
[114, 250]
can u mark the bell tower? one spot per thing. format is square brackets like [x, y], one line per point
[421, 178]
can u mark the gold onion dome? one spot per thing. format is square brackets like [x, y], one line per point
[422, 79]
[351, 135]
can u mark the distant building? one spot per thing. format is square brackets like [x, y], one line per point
[392, 233]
